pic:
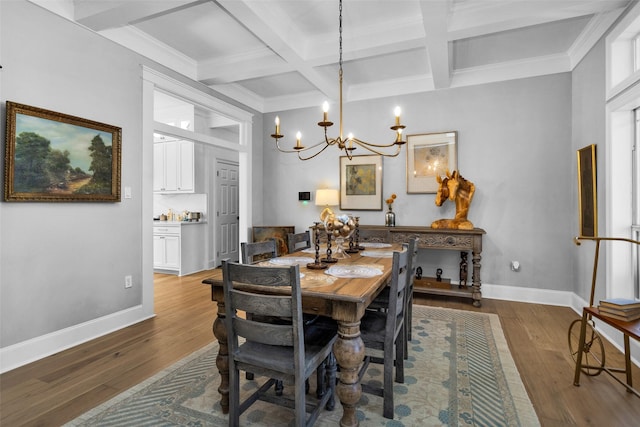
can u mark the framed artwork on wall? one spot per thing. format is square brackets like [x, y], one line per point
[361, 183]
[430, 155]
[587, 194]
[55, 157]
[278, 232]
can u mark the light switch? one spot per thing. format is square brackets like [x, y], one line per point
[127, 192]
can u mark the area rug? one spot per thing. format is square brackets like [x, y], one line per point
[459, 373]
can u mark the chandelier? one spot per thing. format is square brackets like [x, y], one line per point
[349, 144]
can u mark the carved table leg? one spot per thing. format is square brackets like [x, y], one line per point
[476, 293]
[349, 352]
[222, 360]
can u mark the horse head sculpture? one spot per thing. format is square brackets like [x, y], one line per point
[459, 190]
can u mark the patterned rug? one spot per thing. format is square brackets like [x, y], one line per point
[459, 373]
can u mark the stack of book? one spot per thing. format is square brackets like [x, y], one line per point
[620, 308]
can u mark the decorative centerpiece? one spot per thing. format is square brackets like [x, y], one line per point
[390, 216]
[339, 227]
[454, 187]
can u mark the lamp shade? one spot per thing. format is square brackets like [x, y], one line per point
[327, 197]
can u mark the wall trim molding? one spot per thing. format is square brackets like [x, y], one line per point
[25, 352]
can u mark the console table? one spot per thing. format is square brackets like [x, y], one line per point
[458, 240]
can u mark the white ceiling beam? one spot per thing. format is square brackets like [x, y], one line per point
[260, 19]
[435, 16]
[101, 15]
[473, 19]
[242, 66]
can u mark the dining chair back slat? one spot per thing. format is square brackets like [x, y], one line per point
[265, 250]
[298, 241]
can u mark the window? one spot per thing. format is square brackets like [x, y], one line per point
[622, 172]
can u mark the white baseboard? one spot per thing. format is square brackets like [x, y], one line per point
[20, 354]
[531, 295]
[565, 299]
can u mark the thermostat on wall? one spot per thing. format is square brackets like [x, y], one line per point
[304, 195]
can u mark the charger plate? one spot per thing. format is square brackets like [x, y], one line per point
[353, 271]
[302, 261]
[375, 245]
[377, 254]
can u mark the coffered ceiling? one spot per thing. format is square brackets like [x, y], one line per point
[276, 55]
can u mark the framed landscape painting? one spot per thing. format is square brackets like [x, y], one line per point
[55, 157]
[430, 155]
[361, 183]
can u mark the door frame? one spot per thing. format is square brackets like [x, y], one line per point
[153, 80]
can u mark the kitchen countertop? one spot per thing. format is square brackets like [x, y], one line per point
[176, 223]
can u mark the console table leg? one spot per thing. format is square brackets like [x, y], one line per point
[476, 293]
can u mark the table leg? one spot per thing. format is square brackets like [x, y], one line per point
[222, 360]
[476, 294]
[349, 353]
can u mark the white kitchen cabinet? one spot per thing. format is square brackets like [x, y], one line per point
[178, 247]
[173, 167]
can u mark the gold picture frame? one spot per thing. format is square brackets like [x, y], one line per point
[587, 191]
[361, 183]
[55, 157]
[430, 155]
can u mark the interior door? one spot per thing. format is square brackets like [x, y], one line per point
[227, 215]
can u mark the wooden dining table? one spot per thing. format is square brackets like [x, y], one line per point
[344, 299]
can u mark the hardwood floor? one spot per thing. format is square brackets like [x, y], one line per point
[58, 388]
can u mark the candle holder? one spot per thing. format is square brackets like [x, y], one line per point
[357, 234]
[317, 265]
[354, 245]
[329, 259]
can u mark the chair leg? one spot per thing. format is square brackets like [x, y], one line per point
[279, 387]
[387, 408]
[321, 376]
[249, 376]
[234, 398]
[400, 356]
[331, 379]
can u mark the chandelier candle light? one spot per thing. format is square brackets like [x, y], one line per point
[350, 143]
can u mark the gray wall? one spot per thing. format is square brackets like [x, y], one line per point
[588, 127]
[514, 143]
[65, 263]
[62, 265]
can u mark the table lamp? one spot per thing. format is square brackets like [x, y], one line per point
[327, 197]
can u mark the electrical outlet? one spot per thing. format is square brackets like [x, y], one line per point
[128, 281]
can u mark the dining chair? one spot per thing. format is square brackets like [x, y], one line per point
[374, 235]
[252, 252]
[285, 351]
[381, 302]
[298, 241]
[264, 250]
[382, 332]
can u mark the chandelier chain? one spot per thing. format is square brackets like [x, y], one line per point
[340, 38]
[346, 145]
